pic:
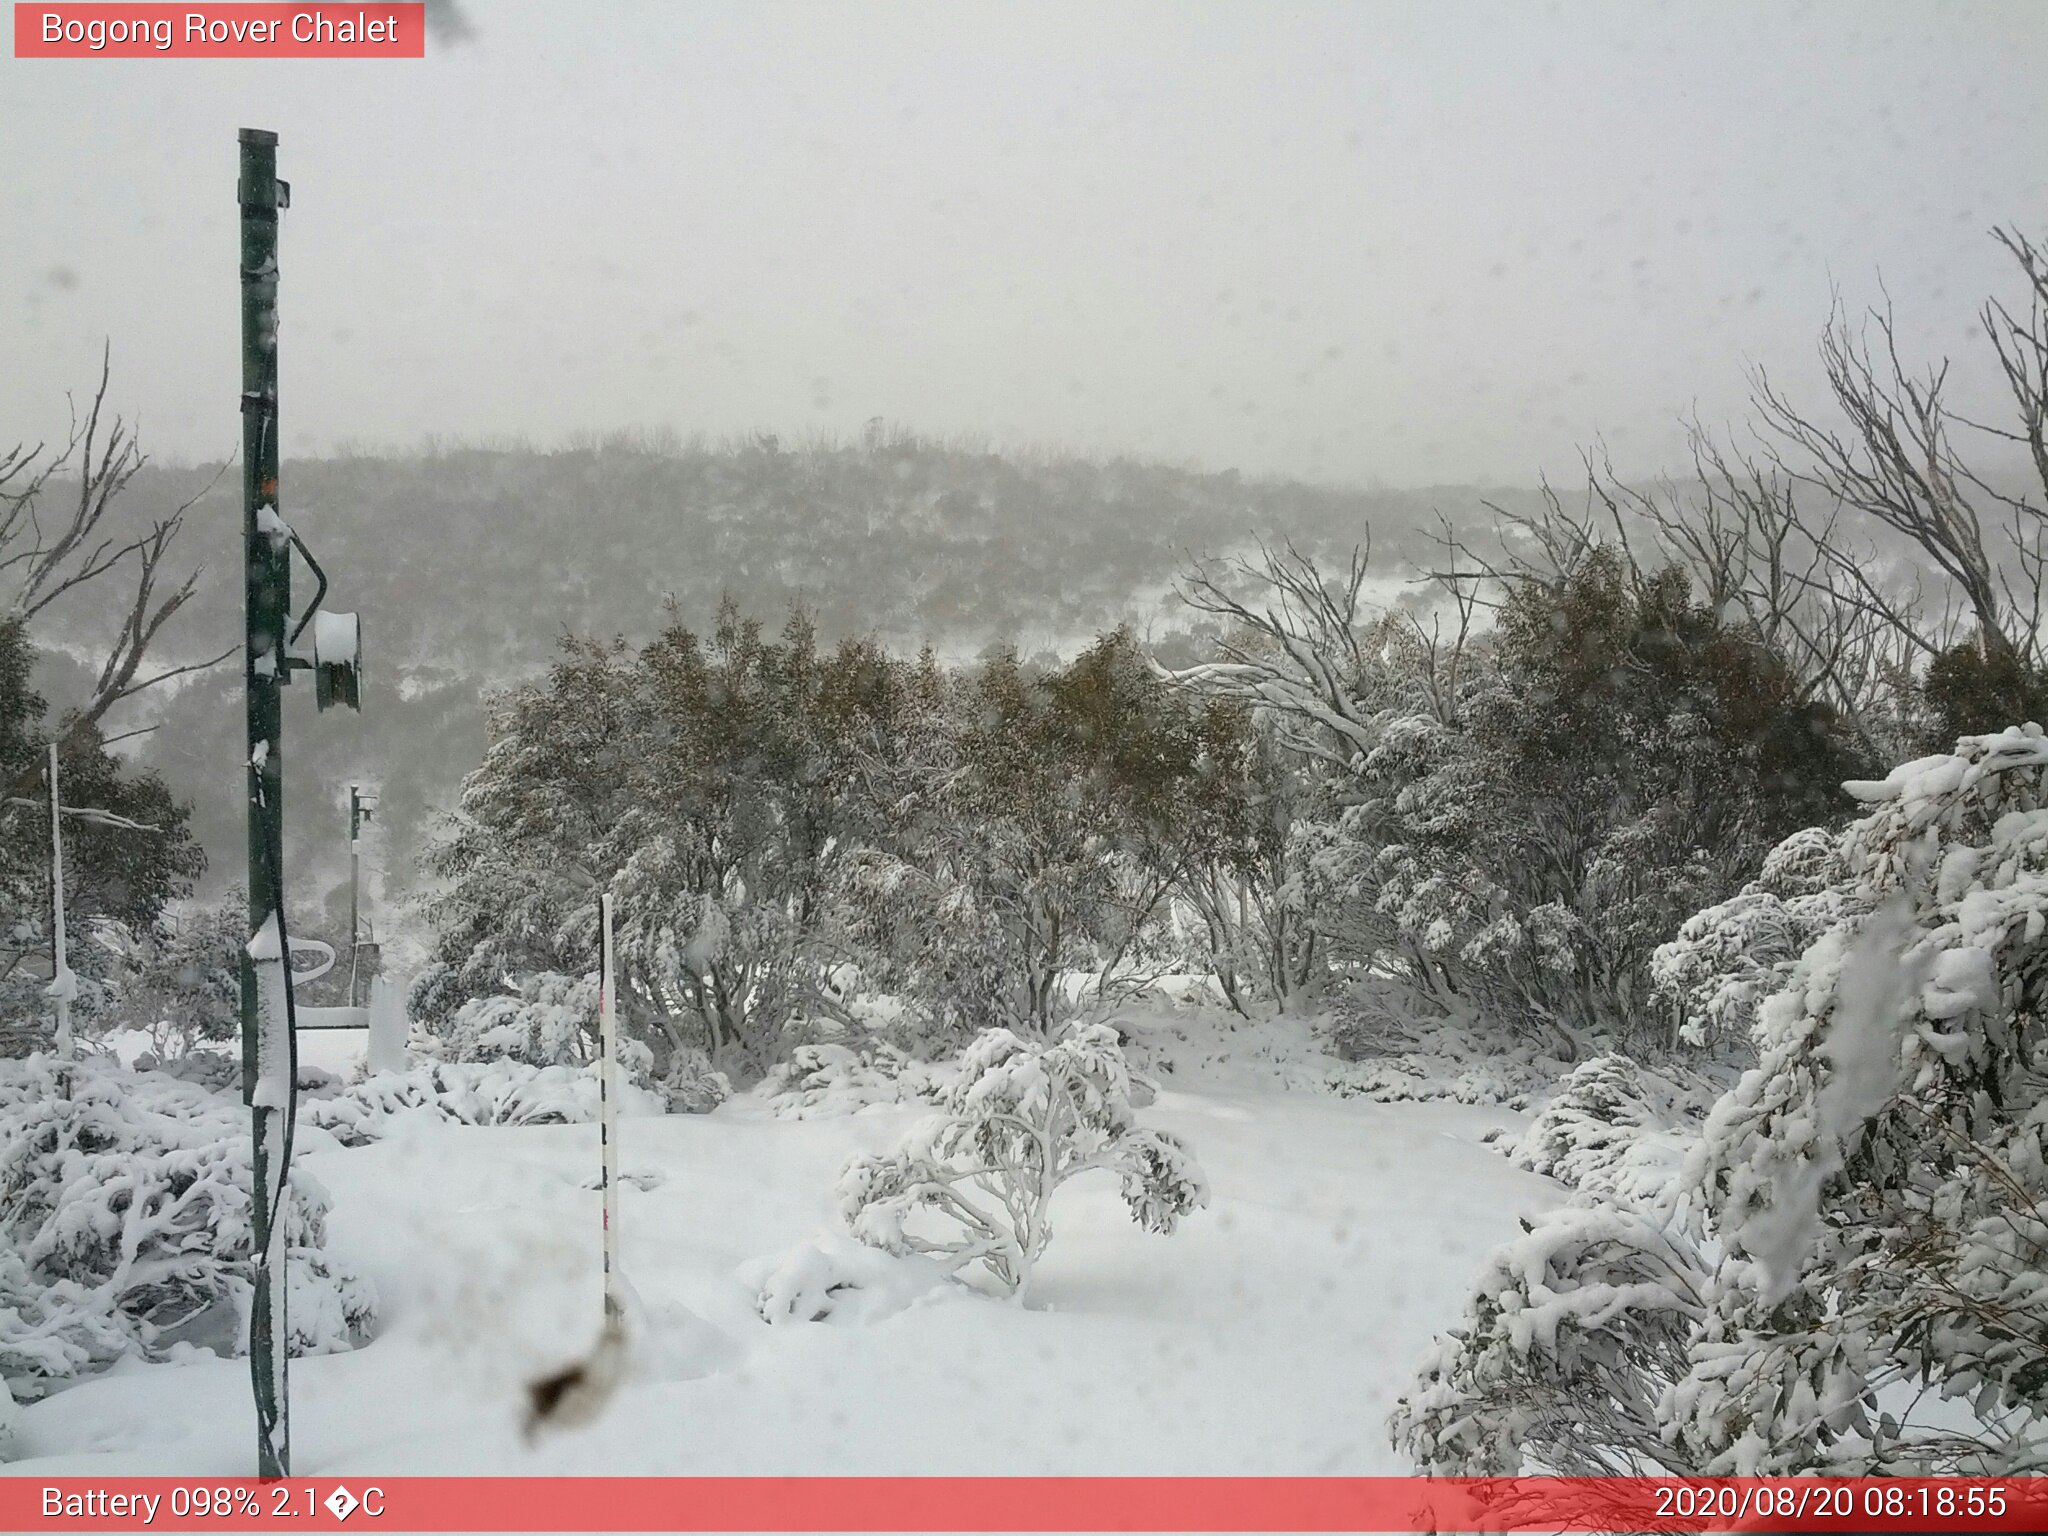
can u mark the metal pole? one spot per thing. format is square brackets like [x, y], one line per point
[267, 593]
[60, 973]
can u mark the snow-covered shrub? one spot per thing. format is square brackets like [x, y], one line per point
[1246, 912]
[551, 1020]
[1056, 814]
[1729, 958]
[1021, 1120]
[1389, 1049]
[1611, 1130]
[1571, 1333]
[116, 880]
[125, 1201]
[215, 1071]
[466, 1093]
[832, 1079]
[837, 1280]
[1512, 831]
[1872, 1196]
[1878, 1180]
[1600, 1109]
[434, 993]
[690, 1085]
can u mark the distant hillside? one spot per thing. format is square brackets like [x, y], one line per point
[467, 565]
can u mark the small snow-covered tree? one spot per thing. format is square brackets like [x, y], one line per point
[974, 1184]
[127, 851]
[1510, 820]
[66, 530]
[522, 859]
[1600, 1110]
[1250, 890]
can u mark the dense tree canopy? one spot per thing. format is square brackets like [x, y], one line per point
[128, 851]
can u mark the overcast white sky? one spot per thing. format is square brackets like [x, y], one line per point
[1405, 243]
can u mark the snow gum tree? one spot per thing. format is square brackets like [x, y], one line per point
[1054, 825]
[1623, 759]
[537, 823]
[711, 783]
[1499, 801]
[1249, 892]
[974, 1183]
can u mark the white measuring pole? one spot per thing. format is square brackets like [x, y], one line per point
[608, 1106]
[60, 973]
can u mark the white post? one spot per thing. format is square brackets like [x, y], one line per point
[608, 1106]
[60, 979]
[386, 1046]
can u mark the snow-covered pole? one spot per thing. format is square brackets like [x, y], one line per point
[608, 1106]
[60, 970]
[266, 1026]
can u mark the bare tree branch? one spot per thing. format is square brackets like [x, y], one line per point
[1898, 464]
[1301, 657]
[101, 451]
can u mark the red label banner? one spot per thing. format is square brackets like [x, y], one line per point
[1062, 1504]
[217, 31]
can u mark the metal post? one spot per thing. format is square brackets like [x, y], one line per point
[267, 593]
[60, 971]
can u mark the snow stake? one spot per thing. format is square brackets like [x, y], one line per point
[62, 985]
[608, 1109]
[578, 1392]
[269, 1041]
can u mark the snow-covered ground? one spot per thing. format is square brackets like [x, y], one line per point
[1269, 1336]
